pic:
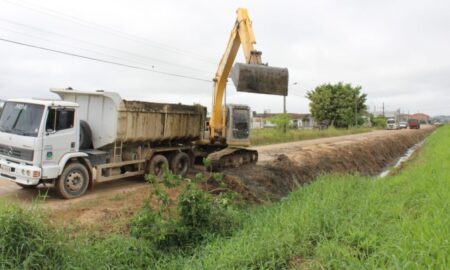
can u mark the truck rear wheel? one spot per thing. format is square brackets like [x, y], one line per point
[179, 163]
[156, 165]
[73, 182]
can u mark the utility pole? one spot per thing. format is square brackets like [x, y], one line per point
[383, 109]
[356, 110]
[284, 112]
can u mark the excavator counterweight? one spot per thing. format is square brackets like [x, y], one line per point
[260, 79]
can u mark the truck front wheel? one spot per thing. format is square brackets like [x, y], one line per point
[73, 182]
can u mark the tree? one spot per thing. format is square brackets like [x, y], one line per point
[336, 104]
[280, 120]
[378, 121]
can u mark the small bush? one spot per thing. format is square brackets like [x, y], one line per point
[195, 216]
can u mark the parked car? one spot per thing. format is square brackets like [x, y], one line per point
[403, 124]
[413, 123]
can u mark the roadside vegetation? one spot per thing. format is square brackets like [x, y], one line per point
[264, 136]
[337, 222]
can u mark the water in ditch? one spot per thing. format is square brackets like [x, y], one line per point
[401, 160]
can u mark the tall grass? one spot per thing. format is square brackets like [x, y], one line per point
[26, 242]
[350, 222]
[264, 136]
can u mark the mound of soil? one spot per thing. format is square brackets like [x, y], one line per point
[272, 180]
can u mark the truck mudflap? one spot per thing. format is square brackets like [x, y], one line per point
[232, 158]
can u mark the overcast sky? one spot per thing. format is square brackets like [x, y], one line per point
[398, 51]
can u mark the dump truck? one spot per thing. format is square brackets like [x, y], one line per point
[92, 137]
[413, 123]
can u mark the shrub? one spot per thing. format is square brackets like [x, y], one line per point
[196, 215]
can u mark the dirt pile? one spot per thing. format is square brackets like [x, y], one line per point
[274, 179]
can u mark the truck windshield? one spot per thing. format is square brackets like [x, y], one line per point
[21, 118]
[391, 121]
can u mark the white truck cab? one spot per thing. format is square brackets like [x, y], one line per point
[392, 123]
[37, 137]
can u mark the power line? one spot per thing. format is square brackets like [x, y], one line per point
[98, 45]
[103, 61]
[99, 27]
[56, 42]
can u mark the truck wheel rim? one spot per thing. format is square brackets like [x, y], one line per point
[74, 182]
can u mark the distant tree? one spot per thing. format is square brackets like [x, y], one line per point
[378, 121]
[280, 120]
[336, 104]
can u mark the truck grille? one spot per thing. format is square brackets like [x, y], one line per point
[15, 152]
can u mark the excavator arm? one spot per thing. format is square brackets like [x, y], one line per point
[252, 76]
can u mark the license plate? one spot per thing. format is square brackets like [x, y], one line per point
[5, 168]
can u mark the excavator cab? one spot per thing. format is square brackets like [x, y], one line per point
[238, 125]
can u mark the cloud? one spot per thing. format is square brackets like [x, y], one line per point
[396, 50]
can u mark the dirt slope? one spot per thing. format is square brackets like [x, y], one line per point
[285, 167]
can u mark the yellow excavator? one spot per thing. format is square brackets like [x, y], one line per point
[229, 126]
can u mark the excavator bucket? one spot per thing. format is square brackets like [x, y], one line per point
[260, 79]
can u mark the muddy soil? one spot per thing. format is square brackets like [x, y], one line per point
[271, 180]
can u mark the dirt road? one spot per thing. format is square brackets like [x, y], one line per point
[267, 152]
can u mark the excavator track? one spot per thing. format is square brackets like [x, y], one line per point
[232, 158]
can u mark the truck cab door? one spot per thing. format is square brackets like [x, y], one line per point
[60, 136]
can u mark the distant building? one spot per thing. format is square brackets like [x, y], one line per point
[298, 120]
[423, 118]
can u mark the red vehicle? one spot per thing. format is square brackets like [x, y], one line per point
[413, 123]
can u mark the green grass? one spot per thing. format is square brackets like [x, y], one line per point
[264, 136]
[351, 222]
[337, 222]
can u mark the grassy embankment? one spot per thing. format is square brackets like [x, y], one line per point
[264, 136]
[337, 222]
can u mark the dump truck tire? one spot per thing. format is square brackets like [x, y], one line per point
[180, 163]
[85, 135]
[73, 182]
[156, 166]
